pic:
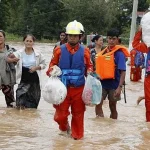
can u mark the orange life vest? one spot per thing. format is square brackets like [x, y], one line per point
[105, 64]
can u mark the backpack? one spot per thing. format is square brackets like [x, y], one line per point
[105, 64]
[139, 59]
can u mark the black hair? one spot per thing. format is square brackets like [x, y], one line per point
[3, 33]
[119, 40]
[62, 32]
[33, 38]
[113, 32]
[96, 37]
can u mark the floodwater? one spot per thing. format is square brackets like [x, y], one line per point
[35, 129]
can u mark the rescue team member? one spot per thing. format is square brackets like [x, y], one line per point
[137, 64]
[141, 46]
[73, 60]
[114, 58]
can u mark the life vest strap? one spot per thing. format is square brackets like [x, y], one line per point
[70, 71]
[65, 78]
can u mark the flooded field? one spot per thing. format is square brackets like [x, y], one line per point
[35, 129]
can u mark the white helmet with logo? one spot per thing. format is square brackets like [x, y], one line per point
[74, 27]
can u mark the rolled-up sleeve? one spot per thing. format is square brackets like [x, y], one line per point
[56, 56]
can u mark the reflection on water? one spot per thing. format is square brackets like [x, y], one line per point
[35, 129]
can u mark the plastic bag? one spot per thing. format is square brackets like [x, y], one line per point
[54, 91]
[145, 24]
[56, 71]
[92, 92]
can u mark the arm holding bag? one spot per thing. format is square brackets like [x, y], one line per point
[54, 91]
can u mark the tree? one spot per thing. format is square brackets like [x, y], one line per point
[4, 13]
[43, 17]
[15, 20]
[95, 15]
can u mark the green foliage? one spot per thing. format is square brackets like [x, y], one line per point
[143, 5]
[13, 37]
[45, 18]
[4, 11]
[148, 1]
[95, 15]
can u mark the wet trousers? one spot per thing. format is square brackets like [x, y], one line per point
[28, 95]
[135, 74]
[147, 97]
[74, 101]
[9, 94]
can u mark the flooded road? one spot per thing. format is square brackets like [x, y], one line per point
[35, 129]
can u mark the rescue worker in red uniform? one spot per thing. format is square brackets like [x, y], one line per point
[136, 71]
[141, 46]
[74, 61]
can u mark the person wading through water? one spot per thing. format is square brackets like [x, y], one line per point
[7, 71]
[28, 70]
[74, 61]
[112, 79]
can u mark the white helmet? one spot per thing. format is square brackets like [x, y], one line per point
[74, 27]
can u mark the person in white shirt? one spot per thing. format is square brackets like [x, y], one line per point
[28, 78]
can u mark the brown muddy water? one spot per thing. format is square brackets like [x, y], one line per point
[35, 129]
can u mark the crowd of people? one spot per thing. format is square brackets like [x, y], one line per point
[76, 61]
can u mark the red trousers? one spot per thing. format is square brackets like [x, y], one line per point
[147, 97]
[135, 74]
[73, 100]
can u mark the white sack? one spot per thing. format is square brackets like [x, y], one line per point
[56, 71]
[145, 24]
[54, 91]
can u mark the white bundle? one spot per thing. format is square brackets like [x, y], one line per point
[56, 71]
[54, 91]
[145, 24]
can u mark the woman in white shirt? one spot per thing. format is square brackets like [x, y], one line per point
[28, 69]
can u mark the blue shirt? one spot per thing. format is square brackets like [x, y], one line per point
[120, 61]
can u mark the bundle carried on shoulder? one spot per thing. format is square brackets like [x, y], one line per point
[145, 24]
[92, 91]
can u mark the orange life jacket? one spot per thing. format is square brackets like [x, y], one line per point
[105, 64]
